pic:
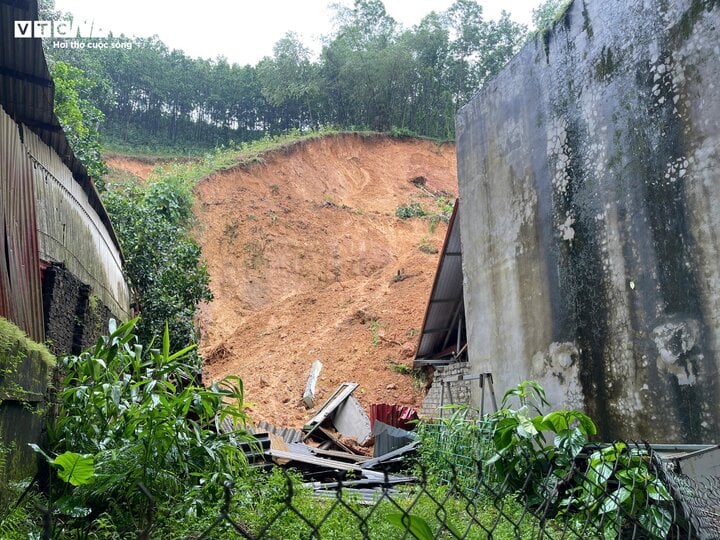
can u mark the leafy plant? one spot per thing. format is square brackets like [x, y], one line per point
[619, 490]
[518, 450]
[162, 262]
[375, 331]
[411, 210]
[427, 247]
[143, 419]
[399, 367]
[76, 96]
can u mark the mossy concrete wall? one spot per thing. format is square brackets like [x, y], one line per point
[589, 175]
[24, 374]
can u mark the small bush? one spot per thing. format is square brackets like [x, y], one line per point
[411, 210]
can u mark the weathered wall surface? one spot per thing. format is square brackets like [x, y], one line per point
[74, 317]
[71, 232]
[456, 393]
[589, 175]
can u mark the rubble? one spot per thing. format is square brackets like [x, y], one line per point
[335, 443]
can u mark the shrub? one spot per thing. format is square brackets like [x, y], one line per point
[506, 453]
[407, 211]
[146, 421]
[162, 262]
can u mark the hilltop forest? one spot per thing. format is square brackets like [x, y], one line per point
[371, 73]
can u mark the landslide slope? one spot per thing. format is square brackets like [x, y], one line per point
[308, 260]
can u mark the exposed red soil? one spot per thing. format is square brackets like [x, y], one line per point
[136, 167]
[304, 251]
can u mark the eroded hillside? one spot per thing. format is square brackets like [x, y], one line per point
[308, 260]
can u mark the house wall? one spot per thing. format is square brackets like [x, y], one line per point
[589, 174]
[70, 231]
[20, 299]
[456, 393]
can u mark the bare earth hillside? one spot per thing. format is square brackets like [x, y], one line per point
[308, 261]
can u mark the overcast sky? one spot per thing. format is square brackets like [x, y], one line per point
[245, 30]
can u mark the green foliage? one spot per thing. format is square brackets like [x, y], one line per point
[415, 525]
[547, 14]
[399, 367]
[411, 210]
[539, 457]
[129, 416]
[371, 74]
[73, 468]
[77, 98]
[619, 485]
[19, 519]
[427, 247]
[162, 262]
[14, 341]
[375, 332]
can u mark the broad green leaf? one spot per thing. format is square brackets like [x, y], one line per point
[166, 342]
[76, 469]
[415, 525]
[657, 521]
[656, 490]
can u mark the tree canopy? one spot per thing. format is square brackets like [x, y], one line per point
[370, 74]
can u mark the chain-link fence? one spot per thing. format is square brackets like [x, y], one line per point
[611, 491]
[620, 490]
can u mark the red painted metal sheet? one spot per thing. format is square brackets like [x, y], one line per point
[400, 416]
[20, 284]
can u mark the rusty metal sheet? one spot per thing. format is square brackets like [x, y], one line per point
[20, 284]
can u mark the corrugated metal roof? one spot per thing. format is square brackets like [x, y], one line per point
[438, 339]
[27, 91]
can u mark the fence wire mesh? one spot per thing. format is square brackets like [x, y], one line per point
[595, 498]
[457, 490]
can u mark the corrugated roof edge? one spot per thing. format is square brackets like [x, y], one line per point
[451, 224]
[40, 117]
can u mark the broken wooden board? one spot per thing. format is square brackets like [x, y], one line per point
[332, 438]
[339, 455]
[309, 394]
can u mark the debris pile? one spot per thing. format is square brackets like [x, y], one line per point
[340, 440]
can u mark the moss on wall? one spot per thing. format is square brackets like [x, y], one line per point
[25, 367]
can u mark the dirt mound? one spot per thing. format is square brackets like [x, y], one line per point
[308, 261]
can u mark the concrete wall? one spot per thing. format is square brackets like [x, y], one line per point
[589, 175]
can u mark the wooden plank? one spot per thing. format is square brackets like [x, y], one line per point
[357, 458]
[309, 394]
[333, 439]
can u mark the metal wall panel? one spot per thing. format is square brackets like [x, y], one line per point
[71, 232]
[20, 285]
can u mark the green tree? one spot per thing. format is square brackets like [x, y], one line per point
[80, 119]
[162, 262]
[288, 81]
